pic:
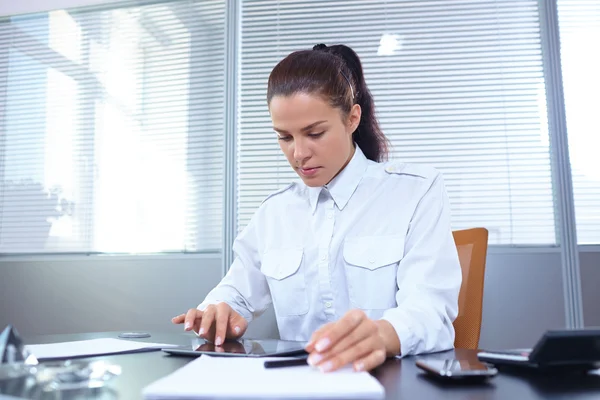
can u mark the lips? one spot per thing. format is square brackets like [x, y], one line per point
[308, 171]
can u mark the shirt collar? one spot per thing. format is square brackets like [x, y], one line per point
[344, 184]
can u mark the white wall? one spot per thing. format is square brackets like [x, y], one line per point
[589, 259]
[75, 294]
[99, 293]
[13, 7]
[523, 297]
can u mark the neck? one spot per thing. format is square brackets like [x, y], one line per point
[352, 151]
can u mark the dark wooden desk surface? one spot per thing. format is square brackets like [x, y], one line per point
[401, 378]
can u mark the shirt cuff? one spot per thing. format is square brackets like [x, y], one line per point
[405, 335]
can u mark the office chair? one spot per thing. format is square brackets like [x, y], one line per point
[472, 250]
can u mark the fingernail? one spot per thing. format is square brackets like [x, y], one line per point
[188, 325]
[218, 342]
[314, 359]
[201, 331]
[322, 344]
[359, 366]
[237, 330]
[326, 367]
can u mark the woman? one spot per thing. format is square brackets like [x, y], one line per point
[358, 256]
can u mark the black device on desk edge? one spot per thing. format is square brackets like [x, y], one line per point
[242, 348]
[564, 350]
[456, 369]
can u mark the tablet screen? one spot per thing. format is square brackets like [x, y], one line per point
[242, 347]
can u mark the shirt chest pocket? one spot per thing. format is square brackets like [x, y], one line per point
[286, 281]
[371, 267]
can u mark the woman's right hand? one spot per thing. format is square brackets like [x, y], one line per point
[216, 323]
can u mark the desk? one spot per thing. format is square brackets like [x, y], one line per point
[401, 378]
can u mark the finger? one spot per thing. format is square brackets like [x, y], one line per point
[207, 321]
[190, 318]
[196, 327]
[223, 312]
[319, 333]
[359, 351]
[237, 325]
[178, 319]
[362, 332]
[210, 335]
[371, 361]
[234, 331]
[341, 328]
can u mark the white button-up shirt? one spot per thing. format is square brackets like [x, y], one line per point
[377, 238]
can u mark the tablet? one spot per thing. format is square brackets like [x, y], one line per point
[241, 348]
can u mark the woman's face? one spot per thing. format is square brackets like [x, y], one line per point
[315, 137]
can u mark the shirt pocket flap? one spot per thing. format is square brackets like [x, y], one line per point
[281, 263]
[373, 252]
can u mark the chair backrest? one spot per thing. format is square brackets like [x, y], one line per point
[472, 251]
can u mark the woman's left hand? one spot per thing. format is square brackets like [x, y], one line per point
[354, 339]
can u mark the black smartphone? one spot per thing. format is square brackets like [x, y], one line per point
[456, 369]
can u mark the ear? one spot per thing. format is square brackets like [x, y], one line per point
[354, 118]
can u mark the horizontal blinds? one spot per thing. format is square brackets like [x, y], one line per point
[112, 130]
[457, 84]
[579, 27]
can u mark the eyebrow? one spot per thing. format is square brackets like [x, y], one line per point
[306, 128]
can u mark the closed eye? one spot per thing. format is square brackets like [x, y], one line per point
[284, 138]
[316, 135]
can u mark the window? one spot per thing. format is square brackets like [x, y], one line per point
[579, 26]
[112, 138]
[457, 85]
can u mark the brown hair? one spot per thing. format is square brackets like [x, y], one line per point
[336, 74]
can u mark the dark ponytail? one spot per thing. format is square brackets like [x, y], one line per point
[335, 73]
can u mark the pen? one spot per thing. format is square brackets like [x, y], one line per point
[286, 363]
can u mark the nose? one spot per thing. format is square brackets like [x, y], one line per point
[301, 151]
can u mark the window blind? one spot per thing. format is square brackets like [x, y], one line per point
[579, 28]
[112, 129]
[458, 85]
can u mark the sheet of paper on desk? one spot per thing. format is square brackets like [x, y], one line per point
[91, 347]
[231, 377]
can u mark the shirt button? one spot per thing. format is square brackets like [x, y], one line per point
[323, 257]
[330, 214]
[328, 304]
[372, 261]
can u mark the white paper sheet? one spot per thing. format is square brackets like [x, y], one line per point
[91, 347]
[231, 377]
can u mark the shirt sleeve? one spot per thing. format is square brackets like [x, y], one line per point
[429, 278]
[244, 287]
